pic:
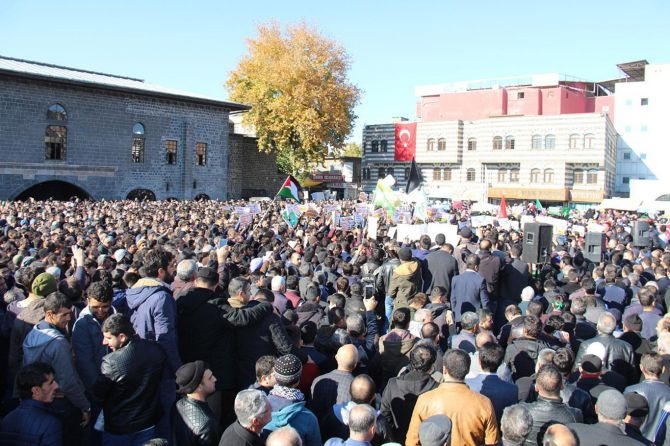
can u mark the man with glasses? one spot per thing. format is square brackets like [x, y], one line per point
[47, 343]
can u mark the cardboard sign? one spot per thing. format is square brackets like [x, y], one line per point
[560, 226]
[347, 223]
[318, 196]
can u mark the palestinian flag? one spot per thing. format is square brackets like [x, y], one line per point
[290, 189]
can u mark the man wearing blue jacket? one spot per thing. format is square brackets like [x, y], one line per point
[46, 342]
[153, 314]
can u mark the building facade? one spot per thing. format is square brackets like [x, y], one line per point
[74, 132]
[642, 104]
[544, 137]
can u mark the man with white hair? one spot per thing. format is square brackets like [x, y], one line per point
[515, 424]
[527, 295]
[187, 272]
[421, 316]
[362, 418]
[253, 413]
[618, 354]
[278, 286]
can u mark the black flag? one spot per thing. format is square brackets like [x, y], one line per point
[414, 180]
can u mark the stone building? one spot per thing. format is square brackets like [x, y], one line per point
[70, 132]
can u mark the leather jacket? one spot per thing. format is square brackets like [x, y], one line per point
[546, 412]
[618, 354]
[383, 278]
[195, 423]
[128, 387]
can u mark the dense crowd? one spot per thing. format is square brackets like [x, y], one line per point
[195, 323]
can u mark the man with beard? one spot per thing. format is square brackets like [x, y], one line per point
[153, 314]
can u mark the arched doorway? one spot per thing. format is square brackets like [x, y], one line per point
[201, 197]
[55, 189]
[141, 195]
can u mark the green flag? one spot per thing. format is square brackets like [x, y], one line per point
[538, 205]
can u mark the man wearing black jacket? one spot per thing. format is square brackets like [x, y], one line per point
[205, 325]
[128, 387]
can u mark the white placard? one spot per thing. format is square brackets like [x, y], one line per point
[373, 223]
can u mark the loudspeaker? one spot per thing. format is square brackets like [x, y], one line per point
[594, 246]
[640, 233]
[537, 242]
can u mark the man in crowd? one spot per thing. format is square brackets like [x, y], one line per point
[474, 423]
[129, 383]
[47, 342]
[33, 422]
[194, 422]
[253, 412]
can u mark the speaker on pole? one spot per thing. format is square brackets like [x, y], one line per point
[536, 242]
[594, 246]
[641, 233]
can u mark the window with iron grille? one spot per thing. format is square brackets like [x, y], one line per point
[171, 151]
[497, 143]
[55, 142]
[200, 153]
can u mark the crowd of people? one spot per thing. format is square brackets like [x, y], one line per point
[183, 323]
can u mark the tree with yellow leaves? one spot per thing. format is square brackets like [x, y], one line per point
[296, 83]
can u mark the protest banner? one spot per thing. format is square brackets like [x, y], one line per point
[373, 223]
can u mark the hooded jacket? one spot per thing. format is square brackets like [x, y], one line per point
[294, 413]
[45, 343]
[405, 283]
[154, 315]
[29, 315]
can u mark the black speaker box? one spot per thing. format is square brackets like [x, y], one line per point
[536, 242]
[594, 246]
[640, 233]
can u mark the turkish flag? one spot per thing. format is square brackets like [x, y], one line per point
[405, 141]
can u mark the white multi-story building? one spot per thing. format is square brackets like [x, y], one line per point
[642, 105]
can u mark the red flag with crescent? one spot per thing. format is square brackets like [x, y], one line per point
[405, 141]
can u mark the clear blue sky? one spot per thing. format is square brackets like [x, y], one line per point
[394, 46]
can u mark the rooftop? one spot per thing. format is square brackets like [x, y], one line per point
[26, 68]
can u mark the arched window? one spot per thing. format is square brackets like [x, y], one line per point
[502, 175]
[536, 142]
[381, 173]
[366, 173]
[574, 141]
[383, 146]
[137, 148]
[441, 144]
[374, 146]
[514, 175]
[472, 144]
[497, 143]
[535, 176]
[55, 142]
[548, 175]
[549, 142]
[470, 175]
[57, 113]
[200, 153]
[437, 174]
[589, 140]
[509, 142]
[578, 176]
[446, 174]
[592, 176]
[430, 144]
[389, 171]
